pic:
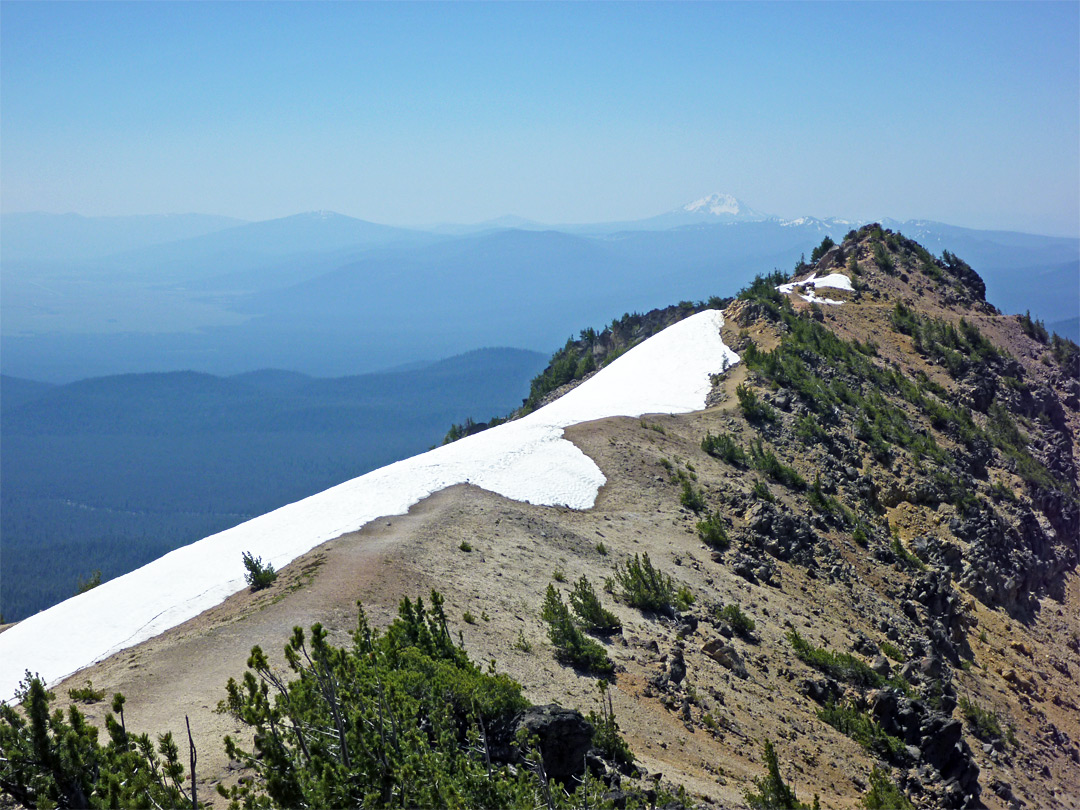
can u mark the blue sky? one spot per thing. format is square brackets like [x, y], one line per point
[413, 113]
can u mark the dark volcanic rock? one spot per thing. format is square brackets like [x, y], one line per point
[564, 738]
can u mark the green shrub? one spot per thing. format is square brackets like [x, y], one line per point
[984, 724]
[465, 546]
[883, 260]
[712, 532]
[88, 584]
[866, 731]
[884, 794]
[571, 645]
[894, 652]
[739, 622]
[761, 492]
[586, 606]
[821, 249]
[842, 666]
[724, 447]
[259, 575]
[644, 587]
[53, 759]
[753, 407]
[606, 735]
[768, 463]
[772, 792]
[86, 694]
[397, 719]
[693, 499]
[905, 556]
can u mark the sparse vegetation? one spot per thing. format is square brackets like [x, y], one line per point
[86, 694]
[724, 447]
[712, 532]
[884, 794]
[739, 622]
[866, 731]
[772, 792]
[571, 645]
[592, 615]
[983, 724]
[259, 575]
[465, 546]
[646, 588]
[88, 584]
[753, 407]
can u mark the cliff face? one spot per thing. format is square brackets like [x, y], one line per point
[876, 519]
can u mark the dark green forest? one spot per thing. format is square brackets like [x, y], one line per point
[110, 473]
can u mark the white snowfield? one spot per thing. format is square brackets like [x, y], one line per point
[527, 460]
[808, 287]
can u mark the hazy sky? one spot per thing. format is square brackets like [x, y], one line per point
[412, 113]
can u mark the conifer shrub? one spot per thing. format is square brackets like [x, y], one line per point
[606, 735]
[741, 624]
[396, 719]
[821, 249]
[753, 407]
[572, 647]
[772, 793]
[894, 652]
[712, 532]
[724, 447]
[592, 615]
[768, 463]
[691, 497]
[863, 729]
[89, 583]
[841, 666]
[883, 260]
[884, 794]
[86, 694]
[53, 759]
[761, 492]
[647, 588]
[259, 575]
[983, 724]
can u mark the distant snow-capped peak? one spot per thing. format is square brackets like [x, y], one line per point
[716, 204]
[721, 205]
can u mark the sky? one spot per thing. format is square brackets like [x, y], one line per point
[414, 113]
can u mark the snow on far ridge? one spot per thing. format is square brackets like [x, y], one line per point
[527, 460]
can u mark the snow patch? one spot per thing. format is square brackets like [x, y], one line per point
[807, 288]
[527, 460]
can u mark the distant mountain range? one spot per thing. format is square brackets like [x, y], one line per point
[326, 294]
[111, 472]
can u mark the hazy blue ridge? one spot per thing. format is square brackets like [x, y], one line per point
[110, 473]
